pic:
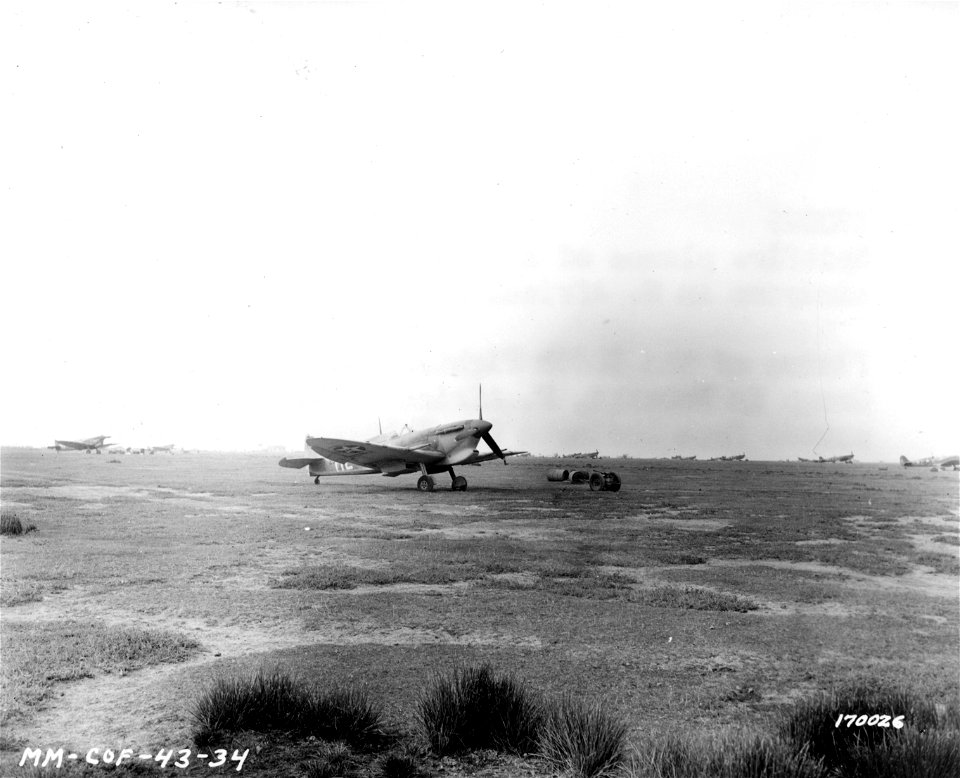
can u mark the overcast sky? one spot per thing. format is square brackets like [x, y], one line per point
[677, 228]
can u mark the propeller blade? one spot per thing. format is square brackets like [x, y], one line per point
[488, 439]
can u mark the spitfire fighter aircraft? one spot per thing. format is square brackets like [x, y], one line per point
[88, 445]
[846, 458]
[936, 462]
[427, 451]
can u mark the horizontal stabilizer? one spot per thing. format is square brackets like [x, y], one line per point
[298, 462]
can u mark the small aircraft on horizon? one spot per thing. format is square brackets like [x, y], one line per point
[90, 444]
[428, 451]
[168, 449]
[734, 458]
[940, 462]
[846, 458]
[582, 455]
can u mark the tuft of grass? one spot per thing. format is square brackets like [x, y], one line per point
[727, 758]
[276, 701]
[813, 723]
[911, 754]
[473, 708]
[764, 758]
[400, 764]
[671, 758]
[334, 759]
[581, 740]
[692, 598]
[10, 524]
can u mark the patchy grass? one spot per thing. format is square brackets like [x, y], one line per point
[276, 701]
[15, 592]
[691, 598]
[764, 582]
[679, 558]
[946, 564]
[347, 577]
[38, 656]
[473, 708]
[952, 540]
[592, 584]
[581, 739]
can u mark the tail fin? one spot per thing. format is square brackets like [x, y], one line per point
[904, 461]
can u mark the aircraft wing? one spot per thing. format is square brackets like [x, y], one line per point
[360, 452]
[487, 457]
[79, 445]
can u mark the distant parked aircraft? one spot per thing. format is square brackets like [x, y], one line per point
[168, 449]
[429, 451]
[582, 455]
[941, 462]
[677, 456]
[847, 458]
[88, 445]
[734, 458]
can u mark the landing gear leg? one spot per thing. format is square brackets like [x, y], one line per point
[425, 482]
[457, 482]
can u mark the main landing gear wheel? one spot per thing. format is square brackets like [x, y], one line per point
[459, 484]
[425, 484]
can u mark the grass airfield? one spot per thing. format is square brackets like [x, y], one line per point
[699, 600]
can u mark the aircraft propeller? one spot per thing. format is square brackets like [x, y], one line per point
[488, 439]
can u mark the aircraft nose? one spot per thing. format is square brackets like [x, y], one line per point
[475, 429]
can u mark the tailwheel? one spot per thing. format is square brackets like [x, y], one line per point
[317, 480]
[459, 484]
[425, 483]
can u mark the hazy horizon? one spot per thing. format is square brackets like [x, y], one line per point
[276, 450]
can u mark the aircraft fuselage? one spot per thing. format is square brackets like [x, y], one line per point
[90, 444]
[456, 440]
